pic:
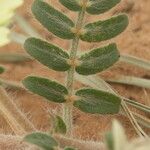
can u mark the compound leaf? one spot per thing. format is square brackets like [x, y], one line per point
[59, 125]
[73, 5]
[98, 60]
[51, 90]
[2, 69]
[43, 140]
[105, 30]
[97, 102]
[101, 6]
[48, 54]
[56, 22]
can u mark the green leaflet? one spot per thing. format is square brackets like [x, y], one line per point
[98, 60]
[51, 90]
[104, 30]
[2, 69]
[93, 6]
[44, 141]
[59, 125]
[71, 4]
[97, 102]
[101, 6]
[48, 54]
[56, 22]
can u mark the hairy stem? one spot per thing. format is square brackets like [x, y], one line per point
[130, 81]
[135, 61]
[14, 117]
[8, 142]
[67, 108]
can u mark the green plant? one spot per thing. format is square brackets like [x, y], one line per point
[88, 100]
[116, 139]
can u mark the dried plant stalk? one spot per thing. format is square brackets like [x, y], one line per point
[14, 117]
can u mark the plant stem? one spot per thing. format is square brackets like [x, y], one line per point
[10, 142]
[18, 38]
[14, 117]
[135, 61]
[137, 105]
[130, 81]
[142, 120]
[14, 58]
[129, 114]
[26, 27]
[67, 108]
[11, 84]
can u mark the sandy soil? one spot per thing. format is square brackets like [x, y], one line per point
[135, 41]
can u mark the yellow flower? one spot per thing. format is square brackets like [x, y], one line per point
[5, 17]
[4, 32]
[7, 8]
[10, 5]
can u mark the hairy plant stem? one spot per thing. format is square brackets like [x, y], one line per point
[135, 61]
[10, 142]
[67, 108]
[130, 81]
[14, 117]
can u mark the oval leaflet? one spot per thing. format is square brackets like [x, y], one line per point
[73, 5]
[97, 102]
[51, 90]
[101, 6]
[43, 140]
[98, 60]
[56, 22]
[105, 30]
[48, 54]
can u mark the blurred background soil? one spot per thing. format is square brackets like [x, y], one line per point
[134, 41]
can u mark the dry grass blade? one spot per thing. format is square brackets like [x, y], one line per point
[14, 117]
